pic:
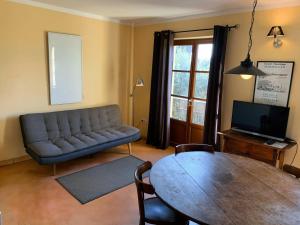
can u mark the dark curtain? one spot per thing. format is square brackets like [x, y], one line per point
[214, 92]
[159, 115]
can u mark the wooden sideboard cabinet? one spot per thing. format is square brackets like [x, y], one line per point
[253, 147]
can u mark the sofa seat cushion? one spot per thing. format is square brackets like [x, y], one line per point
[117, 132]
[76, 142]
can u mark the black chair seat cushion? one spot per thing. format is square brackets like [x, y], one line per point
[156, 211]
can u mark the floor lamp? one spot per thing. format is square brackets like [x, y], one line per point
[138, 83]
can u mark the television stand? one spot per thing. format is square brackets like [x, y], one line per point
[253, 147]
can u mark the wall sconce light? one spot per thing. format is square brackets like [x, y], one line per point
[276, 32]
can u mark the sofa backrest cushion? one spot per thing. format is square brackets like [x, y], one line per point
[38, 127]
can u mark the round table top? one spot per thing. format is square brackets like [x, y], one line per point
[219, 188]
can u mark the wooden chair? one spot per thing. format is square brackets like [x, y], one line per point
[153, 210]
[292, 170]
[193, 147]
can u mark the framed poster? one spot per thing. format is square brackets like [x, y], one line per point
[274, 88]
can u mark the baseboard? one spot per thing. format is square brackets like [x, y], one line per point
[14, 160]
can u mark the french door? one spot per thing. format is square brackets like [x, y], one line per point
[189, 89]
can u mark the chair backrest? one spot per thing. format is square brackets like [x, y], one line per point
[142, 187]
[193, 147]
[292, 170]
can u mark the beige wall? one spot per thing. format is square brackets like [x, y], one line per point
[24, 71]
[234, 87]
[107, 63]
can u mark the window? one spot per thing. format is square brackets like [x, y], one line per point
[190, 79]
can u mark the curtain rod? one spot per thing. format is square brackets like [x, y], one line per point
[205, 29]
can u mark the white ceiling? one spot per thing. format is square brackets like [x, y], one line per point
[145, 11]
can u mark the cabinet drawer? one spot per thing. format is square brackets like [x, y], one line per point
[237, 147]
[263, 154]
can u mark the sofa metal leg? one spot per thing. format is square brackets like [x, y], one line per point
[54, 169]
[129, 148]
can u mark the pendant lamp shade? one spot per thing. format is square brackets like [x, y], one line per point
[246, 67]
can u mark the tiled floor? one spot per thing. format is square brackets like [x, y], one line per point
[29, 195]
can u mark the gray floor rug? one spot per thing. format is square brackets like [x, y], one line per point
[89, 184]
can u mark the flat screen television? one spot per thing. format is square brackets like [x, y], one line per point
[259, 119]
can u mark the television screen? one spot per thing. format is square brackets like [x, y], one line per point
[259, 119]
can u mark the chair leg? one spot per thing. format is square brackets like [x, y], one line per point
[141, 222]
[187, 223]
[54, 169]
[129, 148]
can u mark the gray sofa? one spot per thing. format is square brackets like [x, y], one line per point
[55, 137]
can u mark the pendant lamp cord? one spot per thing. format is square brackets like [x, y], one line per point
[250, 30]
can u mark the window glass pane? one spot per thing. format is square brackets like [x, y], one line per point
[203, 57]
[179, 108]
[182, 57]
[180, 84]
[198, 112]
[201, 82]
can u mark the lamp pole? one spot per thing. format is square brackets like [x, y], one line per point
[132, 96]
[139, 83]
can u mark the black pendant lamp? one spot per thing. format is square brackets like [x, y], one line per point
[246, 69]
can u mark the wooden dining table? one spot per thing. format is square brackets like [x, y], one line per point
[220, 188]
